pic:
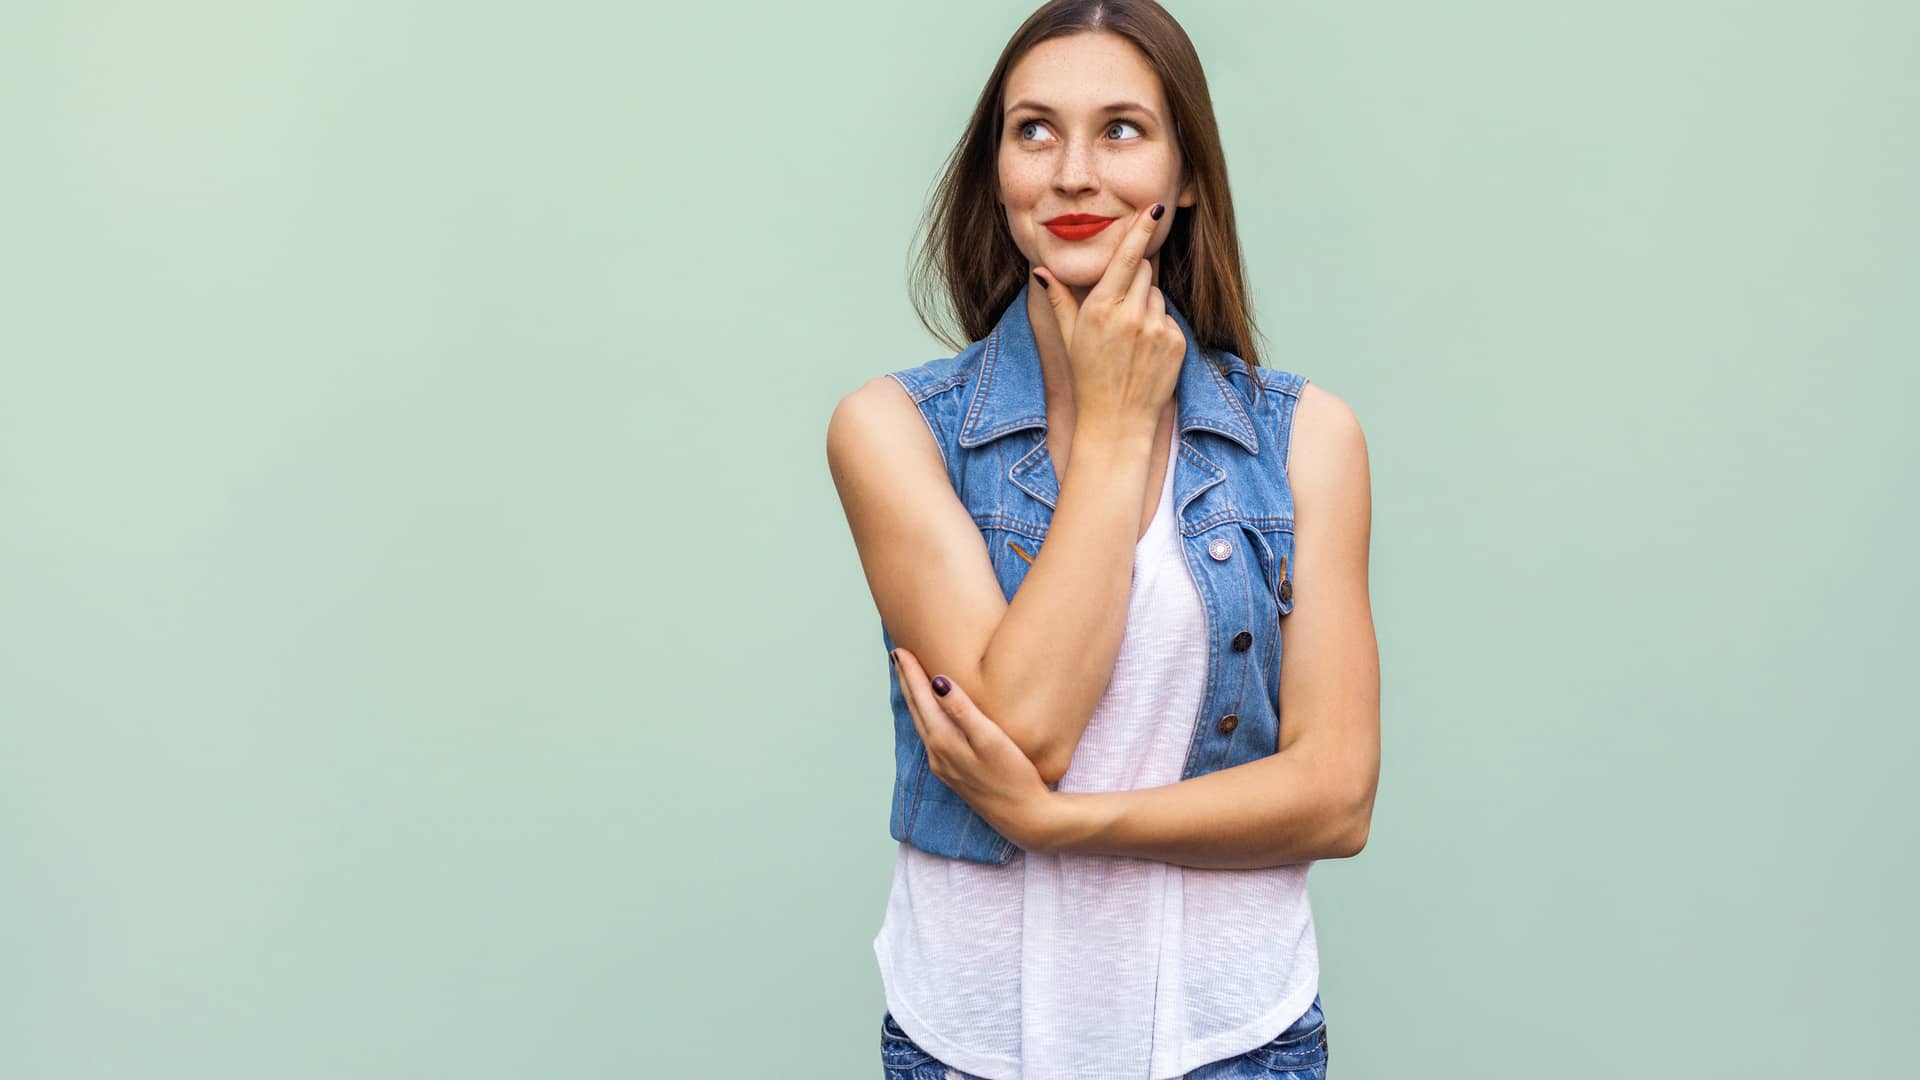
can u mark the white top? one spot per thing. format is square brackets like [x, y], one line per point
[1069, 965]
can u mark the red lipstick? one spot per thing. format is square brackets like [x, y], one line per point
[1077, 226]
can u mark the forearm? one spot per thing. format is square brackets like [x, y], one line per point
[1283, 808]
[1049, 660]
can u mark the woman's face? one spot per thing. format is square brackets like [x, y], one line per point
[1085, 131]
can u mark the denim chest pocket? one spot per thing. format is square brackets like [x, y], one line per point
[1272, 593]
[1267, 593]
[1274, 545]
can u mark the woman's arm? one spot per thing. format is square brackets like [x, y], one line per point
[1054, 647]
[1313, 799]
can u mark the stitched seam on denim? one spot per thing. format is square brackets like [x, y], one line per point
[1233, 399]
[1305, 1051]
[1286, 428]
[1270, 634]
[1196, 738]
[1179, 506]
[1018, 469]
[1240, 699]
[919, 402]
[1225, 513]
[1010, 523]
[1285, 1061]
[942, 385]
[979, 401]
[1272, 662]
[1215, 476]
[920, 770]
[1286, 382]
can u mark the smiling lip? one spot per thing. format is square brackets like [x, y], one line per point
[1077, 226]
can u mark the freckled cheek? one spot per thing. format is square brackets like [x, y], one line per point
[1022, 195]
[1022, 189]
[1141, 182]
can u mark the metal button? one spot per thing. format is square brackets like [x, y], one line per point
[1228, 723]
[1286, 590]
[1242, 641]
[1220, 549]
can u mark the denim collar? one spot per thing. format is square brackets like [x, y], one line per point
[1009, 393]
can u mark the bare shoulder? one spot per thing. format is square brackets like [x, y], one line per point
[1327, 448]
[880, 421]
[1328, 471]
[876, 410]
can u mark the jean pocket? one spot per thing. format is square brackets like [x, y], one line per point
[897, 1051]
[1302, 1047]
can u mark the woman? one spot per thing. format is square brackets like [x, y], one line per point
[1092, 534]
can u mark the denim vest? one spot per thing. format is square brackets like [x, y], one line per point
[987, 411]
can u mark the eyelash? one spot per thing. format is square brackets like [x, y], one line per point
[1017, 127]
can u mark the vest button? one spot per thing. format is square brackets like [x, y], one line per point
[1220, 549]
[1286, 590]
[1242, 641]
[1228, 723]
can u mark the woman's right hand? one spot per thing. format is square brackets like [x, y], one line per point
[1123, 349]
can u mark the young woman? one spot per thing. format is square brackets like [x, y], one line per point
[1092, 535]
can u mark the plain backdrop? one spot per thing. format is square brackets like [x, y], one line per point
[431, 645]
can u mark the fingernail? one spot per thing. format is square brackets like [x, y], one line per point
[941, 686]
[1038, 278]
[1158, 209]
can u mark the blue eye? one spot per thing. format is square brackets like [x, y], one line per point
[1021, 129]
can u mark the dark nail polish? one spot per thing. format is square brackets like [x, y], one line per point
[941, 685]
[1158, 209]
[1038, 278]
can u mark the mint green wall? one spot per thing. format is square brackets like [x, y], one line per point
[430, 644]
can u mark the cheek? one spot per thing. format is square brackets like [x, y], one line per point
[1021, 188]
[1021, 194]
[1142, 178]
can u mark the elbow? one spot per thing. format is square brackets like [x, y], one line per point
[1356, 839]
[1049, 756]
[1353, 795]
[1357, 822]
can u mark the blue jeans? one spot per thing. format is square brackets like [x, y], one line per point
[1298, 1053]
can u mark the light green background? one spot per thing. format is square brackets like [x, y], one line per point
[430, 645]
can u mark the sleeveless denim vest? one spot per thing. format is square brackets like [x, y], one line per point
[987, 411]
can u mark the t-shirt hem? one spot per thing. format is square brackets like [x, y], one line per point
[1247, 1036]
[989, 1066]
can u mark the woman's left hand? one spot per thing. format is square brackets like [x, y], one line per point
[979, 761]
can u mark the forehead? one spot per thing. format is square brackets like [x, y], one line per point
[1084, 71]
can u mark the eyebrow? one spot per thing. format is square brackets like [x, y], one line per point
[1117, 106]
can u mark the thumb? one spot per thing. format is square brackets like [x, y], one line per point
[1060, 301]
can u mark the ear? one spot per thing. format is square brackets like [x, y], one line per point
[1189, 194]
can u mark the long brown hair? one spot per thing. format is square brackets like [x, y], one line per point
[968, 253]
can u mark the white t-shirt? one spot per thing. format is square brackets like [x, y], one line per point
[1070, 965]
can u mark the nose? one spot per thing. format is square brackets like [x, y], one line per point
[1075, 174]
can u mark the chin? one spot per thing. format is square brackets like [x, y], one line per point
[1080, 268]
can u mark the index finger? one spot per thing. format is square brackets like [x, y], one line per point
[927, 714]
[1113, 284]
